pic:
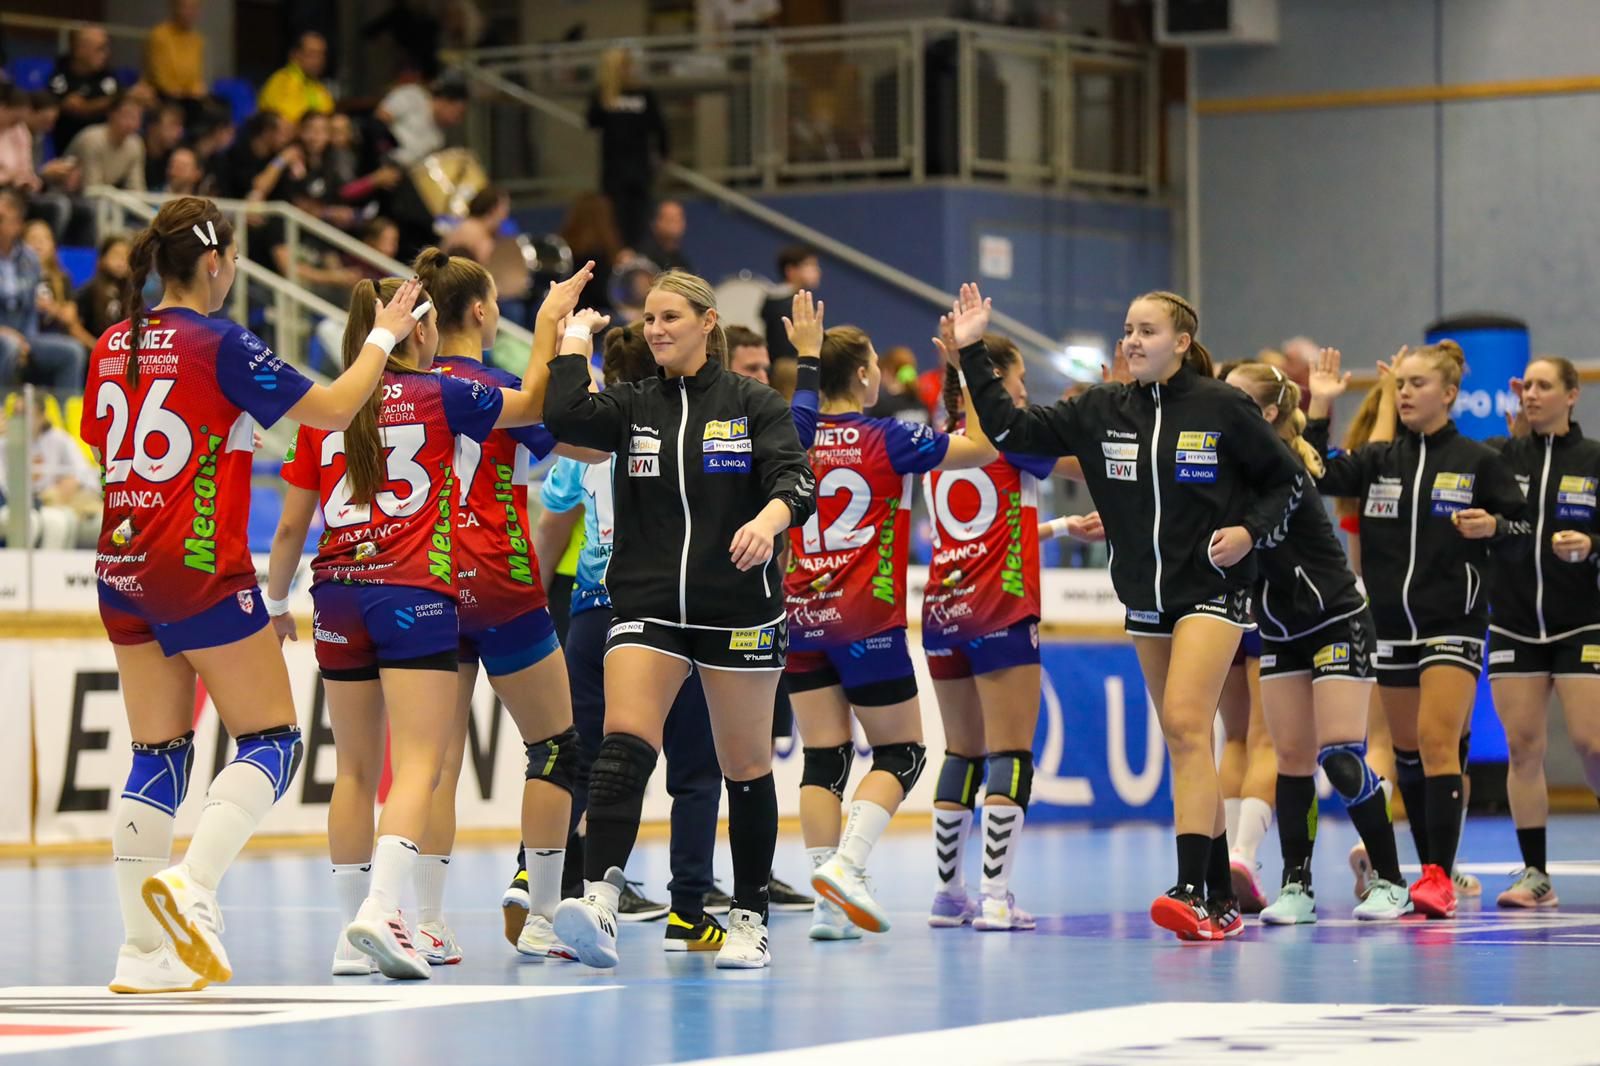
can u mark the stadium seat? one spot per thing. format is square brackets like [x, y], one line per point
[31, 72]
[78, 263]
[240, 96]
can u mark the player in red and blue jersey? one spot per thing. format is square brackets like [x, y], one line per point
[845, 594]
[174, 431]
[384, 587]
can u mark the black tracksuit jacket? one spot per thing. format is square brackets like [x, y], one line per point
[1306, 581]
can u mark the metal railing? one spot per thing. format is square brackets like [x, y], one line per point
[127, 42]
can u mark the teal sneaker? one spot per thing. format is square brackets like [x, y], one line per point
[1385, 902]
[1295, 905]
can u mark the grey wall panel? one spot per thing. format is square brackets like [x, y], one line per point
[1329, 46]
[1505, 40]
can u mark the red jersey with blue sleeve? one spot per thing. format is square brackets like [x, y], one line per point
[405, 535]
[985, 571]
[175, 451]
[497, 570]
[847, 572]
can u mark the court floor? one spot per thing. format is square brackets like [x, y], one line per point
[1096, 983]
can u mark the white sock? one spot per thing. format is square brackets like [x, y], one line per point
[1230, 813]
[865, 825]
[950, 829]
[350, 885]
[141, 845]
[544, 879]
[1002, 825]
[239, 797]
[1388, 788]
[820, 855]
[1255, 818]
[392, 861]
[428, 874]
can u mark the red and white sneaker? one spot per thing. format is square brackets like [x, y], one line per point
[1435, 893]
[438, 944]
[1223, 920]
[1246, 885]
[385, 939]
[1181, 911]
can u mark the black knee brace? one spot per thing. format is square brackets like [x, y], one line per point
[959, 780]
[620, 773]
[1011, 775]
[903, 761]
[828, 768]
[555, 759]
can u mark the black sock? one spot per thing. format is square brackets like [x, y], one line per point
[1444, 819]
[1297, 825]
[1219, 876]
[1372, 821]
[1532, 843]
[572, 868]
[1409, 779]
[1193, 851]
[753, 839]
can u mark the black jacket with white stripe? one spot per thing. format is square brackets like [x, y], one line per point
[1306, 581]
[697, 458]
[1168, 465]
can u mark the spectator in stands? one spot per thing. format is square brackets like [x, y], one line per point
[83, 83]
[47, 358]
[590, 230]
[414, 32]
[44, 187]
[664, 244]
[417, 117]
[57, 311]
[747, 354]
[313, 185]
[297, 87]
[213, 133]
[64, 488]
[100, 299]
[633, 142]
[382, 236]
[110, 152]
[175, 59]
[898, 396]
[161, 138]
[184, 176]
[800, 269]
[43, 114]
[258, 146]
[475, 235]
[342, 148]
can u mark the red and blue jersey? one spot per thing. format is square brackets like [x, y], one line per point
[405, 535]
[984, 575]
[175, 451]
[497, 571]
[847, 571]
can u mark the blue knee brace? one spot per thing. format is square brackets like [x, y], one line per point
[1348, 772]
[159, 775]
[275, 752]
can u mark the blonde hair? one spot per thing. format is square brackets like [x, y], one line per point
[697, 291]
[1446, 357]
[1185, 319]
[1268, 386]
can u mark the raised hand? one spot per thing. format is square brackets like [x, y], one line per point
[562, 298]
[946, 341]
[1118, 370]
[1327, 382]
[969, 315]
[590, 319]
[395, 316]
[804, 326]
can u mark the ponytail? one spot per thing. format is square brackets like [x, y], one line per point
[1003, 353]
[363, 447]
[183, 231]
[1270, 387]
[141, 260]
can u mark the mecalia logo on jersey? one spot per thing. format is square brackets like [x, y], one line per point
[1012, 583]
[439, 555]
[518, 566]
[883, 580]
[200, 550]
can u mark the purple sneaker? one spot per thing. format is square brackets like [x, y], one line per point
[952, 911]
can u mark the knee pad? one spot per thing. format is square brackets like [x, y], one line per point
[828, 768]
[903, 761]
[1348, 772]
[1011, 775]
[1408, 767]
[159, 775]
[555, 759]
[275, 752]
[959, 779]
[620, 772]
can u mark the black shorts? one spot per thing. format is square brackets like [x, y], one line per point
[1341, 649]
[1574, 655]
[760, 648]
[1232, 607]
[1400, 665]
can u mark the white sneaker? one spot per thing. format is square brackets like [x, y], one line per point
[746, 946]
[438, 944]
[828, 922]
[153, 971]
[1361, 866]
[589, 927]
[385, 939]
[1003, 915]
[1385, 902]
[192, 920]
[539, 941]
[348, 960]
[843, 884]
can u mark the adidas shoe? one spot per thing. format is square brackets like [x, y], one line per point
[160, 970]
[782, 896]
[514, 904]
[588, 924]
[1531, 889]
[746, 946]
[706, 934]
[1467, 886]
[385, 939]
[1003, 915]
[951, 911]
[438, 944]
[1296, 905]
[633, 907]
[349, 961]
[1223, 920]
[192, 920]
[1385, 902]
[828, 922]
[1246, 885]
[1181, 911]
[847, 887]
[718, 901]
[1435, 893]
[538, 940]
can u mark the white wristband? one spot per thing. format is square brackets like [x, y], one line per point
[1058, 528]
[382, 338]
[275, 608]
[579, 332]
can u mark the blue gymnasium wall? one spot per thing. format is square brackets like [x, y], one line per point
[1075, 262]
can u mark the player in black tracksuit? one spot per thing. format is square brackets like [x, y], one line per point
[1433, 503]
[1316, 680]
[1546, 611]
[709, 472]
[1189, 479]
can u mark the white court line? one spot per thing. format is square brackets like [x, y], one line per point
[1569, 868]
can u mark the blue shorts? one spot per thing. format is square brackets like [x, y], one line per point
[233, 618]
[361, 628]
[1249, 647]
[1015, 645]
[874, 672]
[511, 646]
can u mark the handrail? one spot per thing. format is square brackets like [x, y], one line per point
[63, 27]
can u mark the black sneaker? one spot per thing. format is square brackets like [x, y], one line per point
[632, 907]
[682, 935]
[717, 901]
[781, 896]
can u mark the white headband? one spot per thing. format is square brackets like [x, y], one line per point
[208, 236]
